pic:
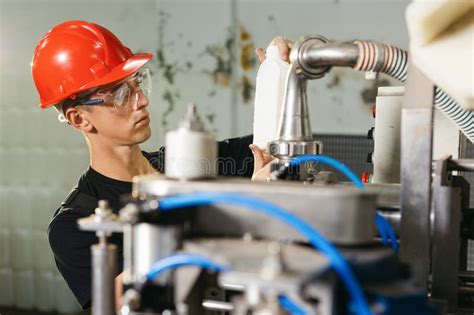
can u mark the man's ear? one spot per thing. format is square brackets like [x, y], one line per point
[79, 119]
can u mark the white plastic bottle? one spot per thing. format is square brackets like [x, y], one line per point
[270, 89]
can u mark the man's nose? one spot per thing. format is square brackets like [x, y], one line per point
[142, 100]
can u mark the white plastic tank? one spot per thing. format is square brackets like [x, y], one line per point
[269, 93]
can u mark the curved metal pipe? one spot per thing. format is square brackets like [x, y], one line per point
[312, 57]
[294, 122]
[331, 54]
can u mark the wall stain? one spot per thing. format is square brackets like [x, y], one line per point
[169, 69]
[222, 52]
[334, 81]
[212, 93]
[222, 72]
[248, 59]
[170, 100]
[248, 89]
[211, 117]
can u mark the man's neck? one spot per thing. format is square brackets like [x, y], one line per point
[119, 162]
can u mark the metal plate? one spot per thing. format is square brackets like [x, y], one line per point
[343, 214]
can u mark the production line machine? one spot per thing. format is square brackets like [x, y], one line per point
[299, 243]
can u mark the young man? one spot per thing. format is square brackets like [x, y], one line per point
[101, 89]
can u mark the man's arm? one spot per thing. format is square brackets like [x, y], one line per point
[235, 157]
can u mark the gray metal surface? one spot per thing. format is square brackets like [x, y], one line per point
[104, 270]
[249, 261]
[445, 238]
[151, 243]
[416, 154]
[247, 256]
[343, 214]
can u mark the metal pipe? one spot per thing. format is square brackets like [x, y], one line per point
[104, 270]
[218, 306]
[331, 54]
[463, 165]
[295, 124]
[151, 243]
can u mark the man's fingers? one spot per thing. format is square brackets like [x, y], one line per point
[260, 54]
[258, 156]
[284, 46]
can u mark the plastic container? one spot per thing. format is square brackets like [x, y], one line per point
[270, 90]
[191, 151]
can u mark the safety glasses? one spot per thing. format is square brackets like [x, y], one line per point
[124, 95]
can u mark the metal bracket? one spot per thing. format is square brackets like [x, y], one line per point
[416, 157]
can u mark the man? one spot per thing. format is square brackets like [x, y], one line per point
[101, 89]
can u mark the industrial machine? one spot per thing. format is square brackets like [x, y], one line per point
[300, 243]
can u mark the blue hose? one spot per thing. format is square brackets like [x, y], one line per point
[383, 226]
[387, 228]
[318, 241]
[291, 307]
[182, 260]
[379, 222]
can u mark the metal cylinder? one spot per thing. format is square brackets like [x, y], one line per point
[151, 243]
[104, 270]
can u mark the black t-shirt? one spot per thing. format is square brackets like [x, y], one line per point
[71, 246]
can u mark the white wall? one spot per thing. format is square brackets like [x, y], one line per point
[41, 159]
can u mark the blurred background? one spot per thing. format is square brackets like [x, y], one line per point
[203, 53]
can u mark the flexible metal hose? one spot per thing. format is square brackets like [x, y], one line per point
[394, 62]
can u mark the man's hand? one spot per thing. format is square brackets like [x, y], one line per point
[283, 44]
[118, 292]
[262, 163]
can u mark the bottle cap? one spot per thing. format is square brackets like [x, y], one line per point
[191, 120]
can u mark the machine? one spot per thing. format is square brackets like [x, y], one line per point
[301, 243]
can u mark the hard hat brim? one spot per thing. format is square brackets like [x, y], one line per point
[118, 73]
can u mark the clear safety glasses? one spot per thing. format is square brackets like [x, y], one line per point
[124, 95]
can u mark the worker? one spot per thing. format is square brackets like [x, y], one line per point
[100, 88]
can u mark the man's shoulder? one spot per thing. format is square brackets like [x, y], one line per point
[63, 233]
[76, 205]
[156, 159]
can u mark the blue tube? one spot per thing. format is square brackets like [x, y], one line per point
[383, 226]
[182, 260]
[318, 241]
[291, 307]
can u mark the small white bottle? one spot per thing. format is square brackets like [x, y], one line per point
[270, 89]
[191, 151]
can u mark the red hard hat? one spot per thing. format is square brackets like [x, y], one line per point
[76, 56]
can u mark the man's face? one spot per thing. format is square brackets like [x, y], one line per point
[124, 122]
